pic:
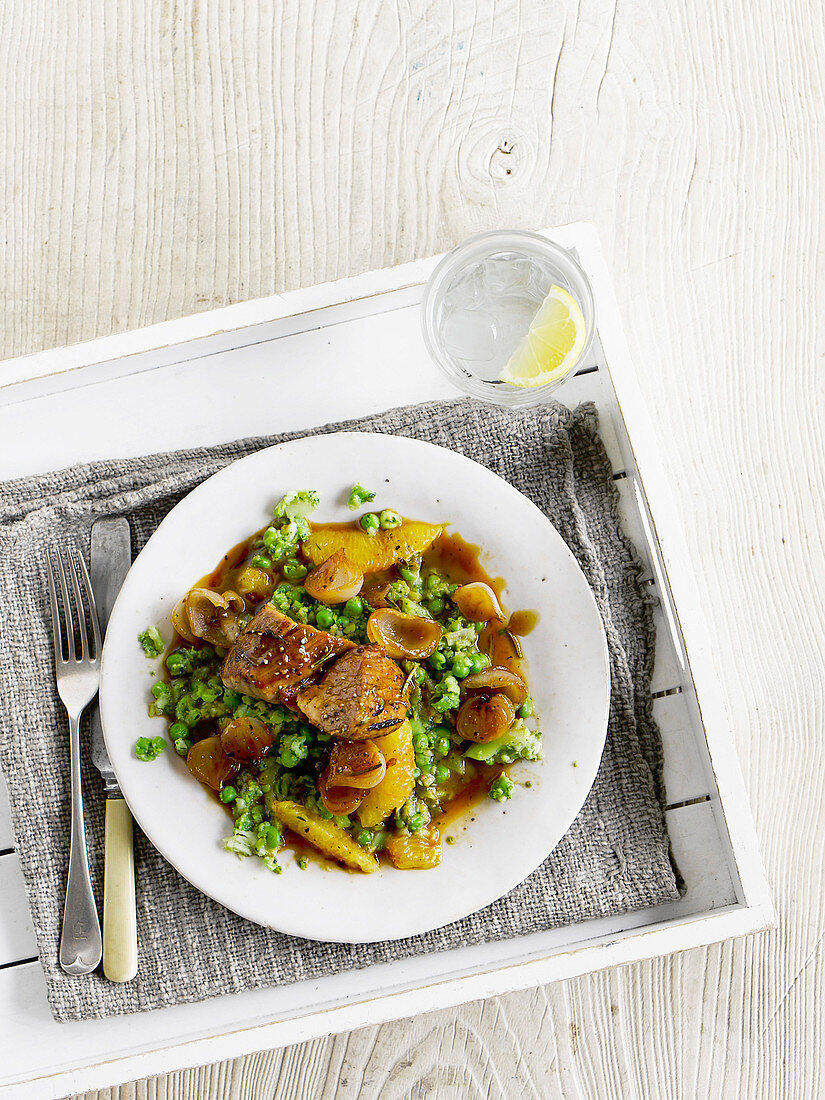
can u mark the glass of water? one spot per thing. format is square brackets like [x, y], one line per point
[479, 304]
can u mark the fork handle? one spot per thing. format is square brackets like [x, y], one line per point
[80, 943]
[119, 918]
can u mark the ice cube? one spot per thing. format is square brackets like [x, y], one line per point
[513, 322]
[469, 334]
[497, 275]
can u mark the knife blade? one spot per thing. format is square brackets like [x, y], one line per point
[111, 558]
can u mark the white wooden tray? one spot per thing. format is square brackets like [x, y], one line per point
[243, 371]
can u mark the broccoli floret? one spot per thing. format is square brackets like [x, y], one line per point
[446, 695]
[241, 842]
[501, 788]
[292, 749]
[290, 599]
[151, 642]
[184, 661]
[297, 505]
[358, 495]
[518, 743]
[282, 542]
[458, 638]
[290, 528]
[413, 815]
[413, 607]
[397, 591]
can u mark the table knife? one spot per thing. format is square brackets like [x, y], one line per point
[111, 557]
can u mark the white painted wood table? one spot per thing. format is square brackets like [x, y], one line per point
[158, 159]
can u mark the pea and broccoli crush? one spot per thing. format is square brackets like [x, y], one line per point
[354, 685]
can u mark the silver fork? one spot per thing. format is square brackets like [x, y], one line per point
[78, 677]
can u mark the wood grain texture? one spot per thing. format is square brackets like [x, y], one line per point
[162, 158]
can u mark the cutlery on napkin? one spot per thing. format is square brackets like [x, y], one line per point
[111, 557]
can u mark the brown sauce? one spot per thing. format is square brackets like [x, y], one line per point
[521, 623]
[459, 559]
[470, 795]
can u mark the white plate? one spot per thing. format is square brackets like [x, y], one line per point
[568, 672]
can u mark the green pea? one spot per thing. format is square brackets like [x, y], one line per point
[271, 836]
[261, 561]
[438, 661]
[442, 746]
[365, 838]
[324, 617]
[435, 606]
[294, 570]
[461, 667]
[369, 523]
[442, 773]
[178, 729]
[526, 708]
[228, 793]
[353, 608]
[389, 519]
[478, 662]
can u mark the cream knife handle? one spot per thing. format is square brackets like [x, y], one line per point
[120, 957]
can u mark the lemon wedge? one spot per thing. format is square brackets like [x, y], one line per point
[553, 344]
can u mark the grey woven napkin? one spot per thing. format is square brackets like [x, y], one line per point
[613, 859]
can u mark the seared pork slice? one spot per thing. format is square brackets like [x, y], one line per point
[361, 695]
[274, 658]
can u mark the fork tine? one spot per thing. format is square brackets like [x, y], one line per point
[81, 610]
[90, 596]
[67, 607]
[58, 644]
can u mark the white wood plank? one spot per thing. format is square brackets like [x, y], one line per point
[232, 155]
[697, 852]
[353, 380]
[687, 770]
[16, 933]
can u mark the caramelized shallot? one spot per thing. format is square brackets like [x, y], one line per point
[485, 717]
[334, 581]
[246, 739]
[497, 679]
[355, 764]
[402, 635]
[212, 616]
[339, 801]
[180, 621]
[208, 762]
[355, 767]
[478, 602]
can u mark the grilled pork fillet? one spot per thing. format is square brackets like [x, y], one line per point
[275, 658]
[360, 696]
